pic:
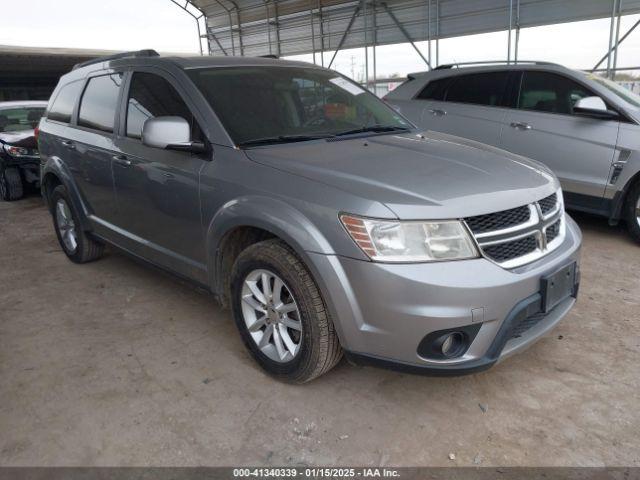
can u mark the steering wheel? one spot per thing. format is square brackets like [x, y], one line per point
[317, 120]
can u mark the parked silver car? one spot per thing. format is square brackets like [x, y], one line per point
[584, 127]
[321, 216]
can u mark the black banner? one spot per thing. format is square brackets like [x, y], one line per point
[224, 473]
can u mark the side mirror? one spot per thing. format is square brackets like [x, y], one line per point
[593, 107]
[170, 133]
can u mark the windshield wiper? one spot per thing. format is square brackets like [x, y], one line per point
[374, 129]
[282, 139]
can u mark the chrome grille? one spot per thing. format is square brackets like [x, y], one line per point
[513, 249]
[548, 204]
[520, 235]
[499, 220]
[553, 231]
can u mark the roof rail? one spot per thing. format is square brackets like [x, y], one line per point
[275, 57]
[133, 54]
[492, 62]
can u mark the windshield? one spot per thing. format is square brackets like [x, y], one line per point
[626, 94]
[20, 118]
[280, 104]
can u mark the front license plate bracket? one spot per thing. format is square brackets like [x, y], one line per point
[558, 286]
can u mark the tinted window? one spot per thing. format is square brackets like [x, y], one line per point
[152, 96]
[479, 88]
[435, 89]
[548, 92]
[99, 102]
[62, 107]
[265, 104]
[18, 119]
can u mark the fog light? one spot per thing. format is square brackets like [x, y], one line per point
[449, 343]
[452, 344]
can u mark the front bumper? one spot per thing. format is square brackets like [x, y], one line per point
[383, 311]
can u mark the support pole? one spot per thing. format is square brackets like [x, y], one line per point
[275, 8]
[235, 7]
[344, 35]
[437, 32]
[233, 44]
[199, 36]
[266, 8]
[375, 40]
[197, 19]
[611, 27]
[404, 32]
[215, 39]
[517, 30]
[608, 54]
[615, 47]
[313, 34]
[429, 29]
[366, 44]
[321, 21]
[510, 26]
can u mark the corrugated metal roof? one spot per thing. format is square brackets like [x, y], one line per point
[290, 27]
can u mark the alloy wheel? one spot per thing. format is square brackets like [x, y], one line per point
[66, 226]
[638, 210]
[271, 315]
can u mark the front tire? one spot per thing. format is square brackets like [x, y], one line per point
[11, 187]
[74, 241]
[281, 315]
[632, 212]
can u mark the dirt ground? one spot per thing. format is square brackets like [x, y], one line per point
[113, 363]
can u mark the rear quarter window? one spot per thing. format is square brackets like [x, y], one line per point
[62, 107]
[478, 88]
[435, 89]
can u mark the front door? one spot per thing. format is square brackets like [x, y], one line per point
[578, 149]
[157, 189]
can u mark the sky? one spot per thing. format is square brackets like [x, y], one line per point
[159, 24]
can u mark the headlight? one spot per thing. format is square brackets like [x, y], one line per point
[16, 151]
[411, 241]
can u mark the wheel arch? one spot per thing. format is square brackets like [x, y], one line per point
[243, 222]
[622, 197]
[55, 173]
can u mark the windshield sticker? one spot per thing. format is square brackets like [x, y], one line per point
[347, 85]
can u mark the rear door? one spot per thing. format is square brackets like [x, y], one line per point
[577, 148]
[157, 190]
[89, 147]
[468, 105]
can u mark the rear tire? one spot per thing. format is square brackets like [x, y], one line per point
[307, 345]
[11, 187]
[75, 242]
[632, 212]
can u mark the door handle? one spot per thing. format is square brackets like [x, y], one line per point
[521, 125]
[69, 144]
[121, 160]
[436, 112]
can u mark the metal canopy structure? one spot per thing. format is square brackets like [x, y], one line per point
[293, 27]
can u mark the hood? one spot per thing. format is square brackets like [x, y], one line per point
[23, 138]
[417, 176]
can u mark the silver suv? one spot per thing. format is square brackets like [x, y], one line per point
[581, 125]
[327, 221]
